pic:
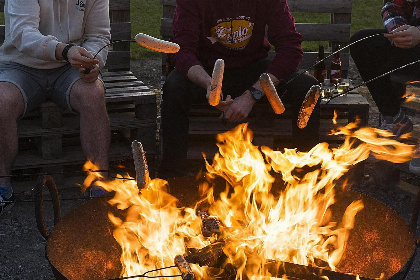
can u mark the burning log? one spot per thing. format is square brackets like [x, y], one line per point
[296, 271]
[210, 225]
[184, 268]
[211, 255]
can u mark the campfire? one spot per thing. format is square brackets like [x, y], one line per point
[276, 208]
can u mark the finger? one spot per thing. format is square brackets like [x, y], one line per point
[228, 98]
[222, 115]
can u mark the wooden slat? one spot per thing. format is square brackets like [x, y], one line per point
[309, 59]
[120, 31]
[324, 32]
[118, 60]
[31, 128]
[320, 6]
[305, 6]
[119, 5]
[73, 155]
[2, 34]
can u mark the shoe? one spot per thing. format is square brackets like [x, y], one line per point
[398, 125]
[6, 204]
[414, 165]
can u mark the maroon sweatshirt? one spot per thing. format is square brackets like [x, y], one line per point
[234, 30]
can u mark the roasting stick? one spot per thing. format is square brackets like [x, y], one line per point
[312, 95]
[216, 82]
[373, 79]
[146, 276]
[146, 41]
[331, 54]
[304, 113]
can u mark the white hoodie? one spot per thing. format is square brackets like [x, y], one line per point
[35, 27]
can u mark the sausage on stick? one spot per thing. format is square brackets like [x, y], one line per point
[156, 44]
[271, 93]
[216, 82]
[308, 106]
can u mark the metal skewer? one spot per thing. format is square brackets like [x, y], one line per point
[330, 55]
[373, 79]
[304, 115]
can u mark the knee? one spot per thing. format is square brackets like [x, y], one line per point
[88, 96]
[11, 101]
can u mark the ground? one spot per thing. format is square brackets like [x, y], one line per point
[22, 248]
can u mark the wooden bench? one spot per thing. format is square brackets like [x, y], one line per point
[49, 138]
[277, 133]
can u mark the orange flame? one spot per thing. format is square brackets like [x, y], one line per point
[258, 224]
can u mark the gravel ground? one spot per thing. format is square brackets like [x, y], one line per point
[22, 248]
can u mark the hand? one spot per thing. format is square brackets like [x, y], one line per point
[405, 36]
[224, 104]
[92, 75]
[79, 57]
[239, 108]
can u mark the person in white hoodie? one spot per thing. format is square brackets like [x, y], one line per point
[49, 54]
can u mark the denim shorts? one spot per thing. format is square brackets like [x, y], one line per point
[40, 85]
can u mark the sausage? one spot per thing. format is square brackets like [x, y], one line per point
[308, 105]
[140, 164]
[156, 44]
[216, 82]
[184, 268]
[271, 93]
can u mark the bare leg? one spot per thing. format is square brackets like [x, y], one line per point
[88, 99]
[11, 108]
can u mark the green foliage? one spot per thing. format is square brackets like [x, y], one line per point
[145, 18]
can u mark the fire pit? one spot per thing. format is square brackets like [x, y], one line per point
[296, 222]
[81, 245]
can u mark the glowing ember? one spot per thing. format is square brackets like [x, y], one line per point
[257, 223]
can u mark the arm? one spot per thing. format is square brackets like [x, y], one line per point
[186, 34]
[396, 13]
[286, 40]
[23, 18]
[283, 36]
[97, 30]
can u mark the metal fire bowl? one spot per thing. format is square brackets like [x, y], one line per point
[81, 245]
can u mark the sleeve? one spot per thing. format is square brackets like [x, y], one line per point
[396, 13]
[186, 28]
[286, 40]
[97, 32]
[24, 17]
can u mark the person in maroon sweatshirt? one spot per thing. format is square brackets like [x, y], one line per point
[235, 31]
